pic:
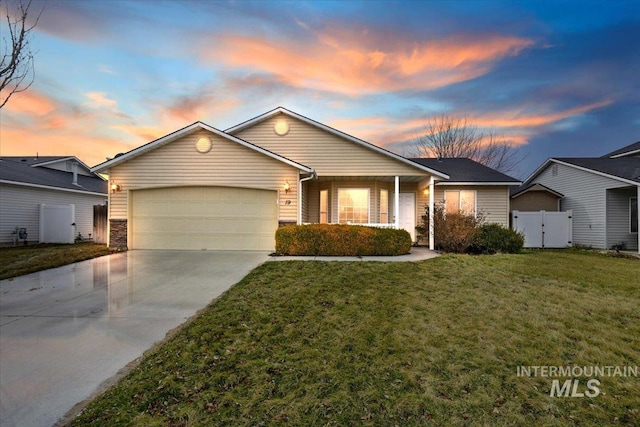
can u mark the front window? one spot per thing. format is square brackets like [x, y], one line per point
[324, 206]
[460, 202]
[633, 214]
[384, 206]
[353, 205]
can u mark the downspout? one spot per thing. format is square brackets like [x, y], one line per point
[638, 204]
[300, 195]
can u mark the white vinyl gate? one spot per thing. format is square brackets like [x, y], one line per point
[57, 223]
[544, 229]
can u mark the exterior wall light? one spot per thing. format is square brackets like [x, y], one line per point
[114, 187]
[426, 191]
[286, 187]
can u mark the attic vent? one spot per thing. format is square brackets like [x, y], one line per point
[203, 145]
[554, 170]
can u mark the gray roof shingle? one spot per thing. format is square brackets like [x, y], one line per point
[465, 170]
[629, 148]
[624, 167]
[23, 170]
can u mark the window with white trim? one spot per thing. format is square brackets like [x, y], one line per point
[353, 205]
[384, 206]
[460, 202]
[324, 206]
[633, 214]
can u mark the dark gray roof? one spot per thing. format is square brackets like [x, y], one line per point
[23, 170]
[631, 147]
[465, 170]
[623, 167]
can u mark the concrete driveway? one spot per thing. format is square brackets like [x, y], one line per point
[65, 331]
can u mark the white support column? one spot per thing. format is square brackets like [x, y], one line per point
[299, 208]
[396, 203]
[638, 203]
[431, 207]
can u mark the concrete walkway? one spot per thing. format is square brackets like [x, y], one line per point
[416, 254]
[65, 331]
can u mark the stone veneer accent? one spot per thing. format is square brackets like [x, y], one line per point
[118, 234]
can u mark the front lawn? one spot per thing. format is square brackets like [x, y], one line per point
[432, 343]
[19, 260]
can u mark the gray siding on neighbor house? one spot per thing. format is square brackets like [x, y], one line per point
[585, 194]
[20, 207]
[619, 218]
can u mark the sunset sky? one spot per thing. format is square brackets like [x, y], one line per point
[555, 78]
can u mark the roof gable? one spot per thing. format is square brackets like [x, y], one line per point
[463, 170]
[119, 159]
[243, 129]
[536, 186]
[624, 169]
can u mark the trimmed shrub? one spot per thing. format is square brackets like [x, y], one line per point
[341, 240]
[452, 232]
[492, 238]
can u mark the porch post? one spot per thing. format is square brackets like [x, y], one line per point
[396, 203]
[638, 203]
[431, 207]
[299, 207]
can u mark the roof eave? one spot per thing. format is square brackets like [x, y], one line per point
[477, 183]
[50, 187]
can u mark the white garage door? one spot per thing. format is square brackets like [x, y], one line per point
[196, 218]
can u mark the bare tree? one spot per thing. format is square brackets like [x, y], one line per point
[454, 136]
[17, 72]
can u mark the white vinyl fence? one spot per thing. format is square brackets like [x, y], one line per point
[544, 229]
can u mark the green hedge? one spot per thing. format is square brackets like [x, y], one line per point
[492, 238]
[341, 240]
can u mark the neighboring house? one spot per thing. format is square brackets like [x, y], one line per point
[602, 192]
[472, 188]
[26, 183]
[203, 188]
[535, 197]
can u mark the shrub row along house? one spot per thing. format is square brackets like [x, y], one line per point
[203, 188]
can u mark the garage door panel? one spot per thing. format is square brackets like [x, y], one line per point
[214, 218]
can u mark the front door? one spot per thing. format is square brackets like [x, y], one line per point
[408, 213]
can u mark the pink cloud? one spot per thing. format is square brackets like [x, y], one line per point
[348, 64]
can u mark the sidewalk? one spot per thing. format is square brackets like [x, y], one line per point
[416, 254]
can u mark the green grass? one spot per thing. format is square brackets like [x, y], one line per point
[19, 260]
[382, 344]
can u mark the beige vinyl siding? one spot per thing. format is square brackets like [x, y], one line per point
[618, 218]
[328, 154]
[20, 207]
[535, 201]
[585, 194]
[492, 201]
[227, 164]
